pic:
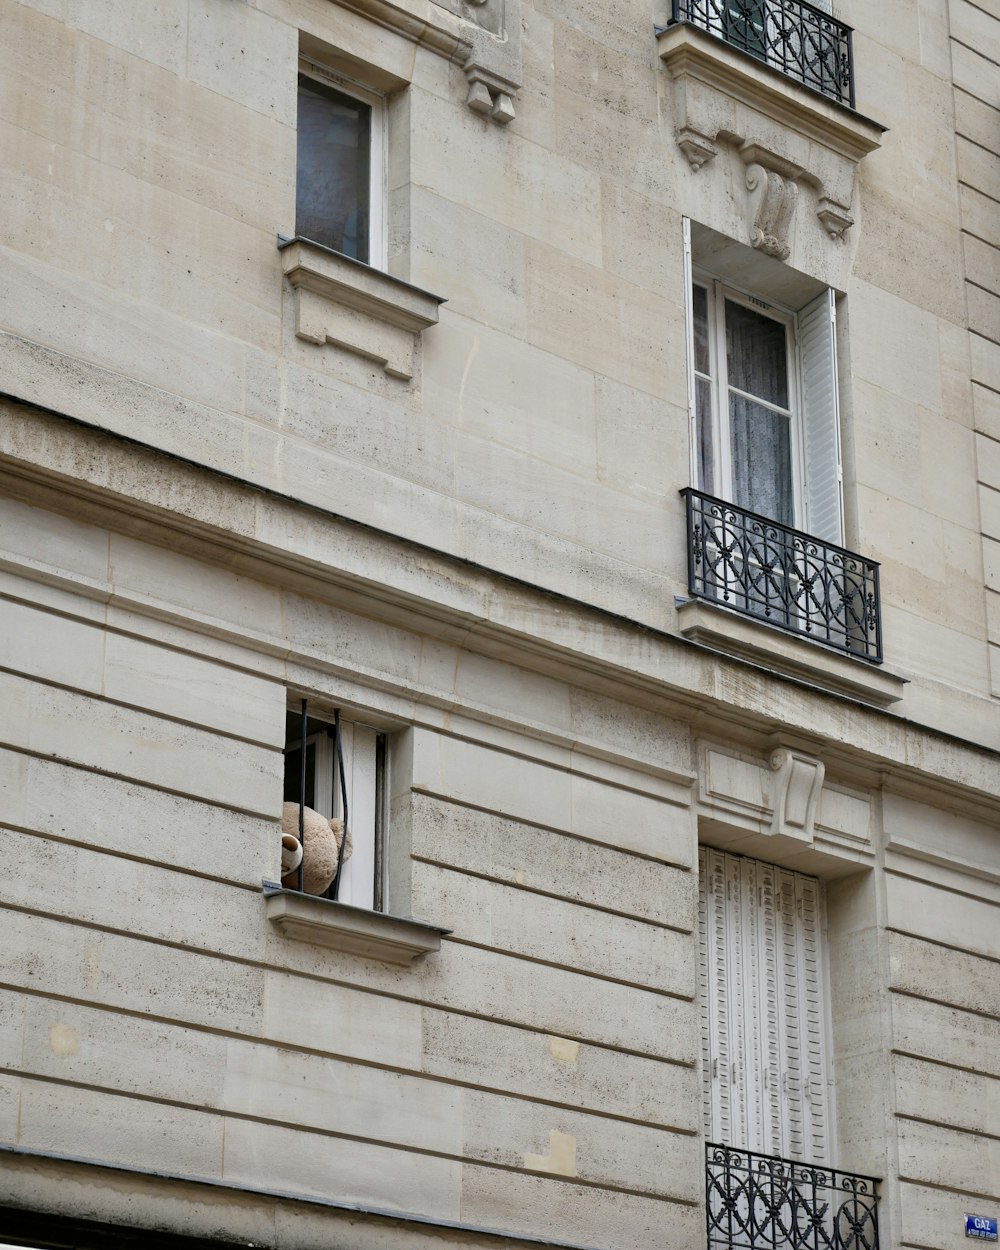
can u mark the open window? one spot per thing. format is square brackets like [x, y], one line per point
[765, 412]
[344, 778]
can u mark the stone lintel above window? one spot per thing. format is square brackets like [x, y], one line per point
[341, 301]
[780, 128]
[354, 930]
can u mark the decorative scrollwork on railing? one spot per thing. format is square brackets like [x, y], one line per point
[779, 575]
[792, 35]
[755, 1201]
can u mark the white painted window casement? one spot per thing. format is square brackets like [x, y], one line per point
[763, 396]
[764, 406]
[764, 1008]
[364, 756]
[341, 170]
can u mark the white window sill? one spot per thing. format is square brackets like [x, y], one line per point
[341, 301]
[354, 930]
[746, 639]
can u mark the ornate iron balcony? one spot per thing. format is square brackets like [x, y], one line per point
[783, 577]
[760, 1202]
[791, 35]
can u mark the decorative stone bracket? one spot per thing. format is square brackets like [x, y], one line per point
[798, 783]
[785, 133]
[483, 36]
[353, 306]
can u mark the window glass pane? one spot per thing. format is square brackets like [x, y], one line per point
[762, 460]
[701, 354]
[703, 432]
[334, 169]
[756, 354]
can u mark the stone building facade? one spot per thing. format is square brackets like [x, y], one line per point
[674, 817]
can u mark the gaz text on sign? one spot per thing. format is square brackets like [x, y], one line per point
[980, 1226]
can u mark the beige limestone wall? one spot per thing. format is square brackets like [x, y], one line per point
[545, 432]
[537, 1075]
[942, 916]
[975, 40]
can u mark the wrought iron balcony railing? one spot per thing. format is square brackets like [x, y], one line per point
[760, 1202]
[791, 35]
[783, 577]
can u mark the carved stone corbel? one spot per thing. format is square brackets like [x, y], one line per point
[834, 217]
[493, 68]
[773, 198]
[697, 147]
[797, 785]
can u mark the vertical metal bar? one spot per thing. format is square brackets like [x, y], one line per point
[850, 64]
[339, 764]
[304, 733]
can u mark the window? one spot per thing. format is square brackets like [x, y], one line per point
[764, 1010]
[766, 426]
[355, 772]
[341, 164]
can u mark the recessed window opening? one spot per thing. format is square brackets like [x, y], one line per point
[341, 163]
[338, 768]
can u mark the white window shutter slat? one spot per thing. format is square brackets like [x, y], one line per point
[689, 349]
[817, 342]
[763, 1010]
[813, 1016]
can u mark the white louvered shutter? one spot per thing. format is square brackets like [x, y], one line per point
[817, 343]
[689, 351]
[763, 1008]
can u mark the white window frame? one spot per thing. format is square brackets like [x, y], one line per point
[366, 766]
[718, 292]
[817, 473]
[379, 156]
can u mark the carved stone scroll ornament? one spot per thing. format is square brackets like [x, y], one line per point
[798, 783]
[773, 198]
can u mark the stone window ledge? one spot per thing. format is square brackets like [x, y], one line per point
[342, 301]
[722, 95]
[771, 648]
[354, 930]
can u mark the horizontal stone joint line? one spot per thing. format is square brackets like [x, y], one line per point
[944, 889]
[433, 1078]
[903, 1053]
[142, 782]
[149, 713]
[114, 599]
[509, 1240]
[943, 1002]
[561, 898]
[245, 962]
[913, 1179]
[115, 853]
[453, 800]
[978, 1134]
[457, 940]
[948, 946]
[317, 1131]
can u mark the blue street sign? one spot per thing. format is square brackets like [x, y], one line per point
[981, 1226]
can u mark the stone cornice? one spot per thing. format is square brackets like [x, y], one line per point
[689, 52]
[67, 466]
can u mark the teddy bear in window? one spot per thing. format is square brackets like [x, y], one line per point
[318, 852]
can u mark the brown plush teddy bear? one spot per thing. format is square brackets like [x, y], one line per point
[323, 839]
